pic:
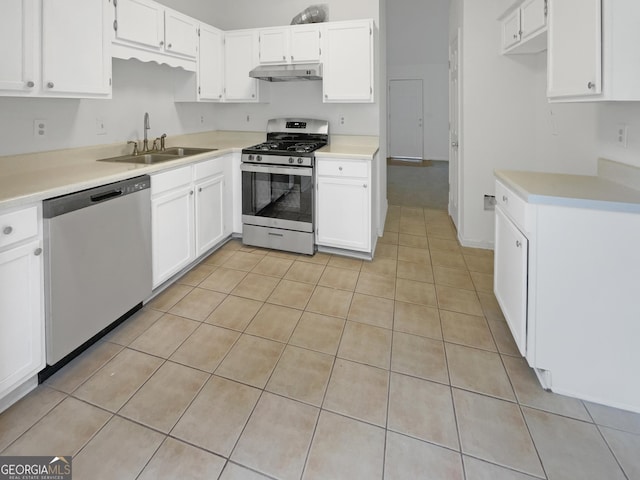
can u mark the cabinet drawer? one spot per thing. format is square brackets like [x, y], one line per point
[18, 226]
[343, 168]
[514, 206]
[162, 182]
[207, 168]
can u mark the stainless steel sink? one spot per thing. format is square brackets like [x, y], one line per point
[187, 151]
[145, 158]
[158, 157]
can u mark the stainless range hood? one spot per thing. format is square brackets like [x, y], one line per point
[287, 73]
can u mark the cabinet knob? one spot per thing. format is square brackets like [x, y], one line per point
[191, 192]
[37, 252]
[505, 199]
[7, 230]
[340, 168]
[292, 58]
[284, 57]
[364, 185]
[169, 46]
[49, 84]
[253, 95]
[326, 95]
[518, 243]
[220, 96]
[591, 85]
[161, 42]
[199, 189]
[30, 84]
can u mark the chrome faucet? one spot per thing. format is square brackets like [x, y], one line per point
[145, 144]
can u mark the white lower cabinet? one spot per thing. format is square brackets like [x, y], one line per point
[190, 214]
[343, 211]
[510, 276]
[21, 299]
[565, 277]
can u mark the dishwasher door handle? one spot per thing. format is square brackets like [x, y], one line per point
[106, 195]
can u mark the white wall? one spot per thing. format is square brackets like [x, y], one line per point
[137, 88]
[293, 98]
[611, 117]
[507, 122]
[418, 49]
[140, 87]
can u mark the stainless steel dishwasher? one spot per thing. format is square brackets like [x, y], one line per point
[97, 262]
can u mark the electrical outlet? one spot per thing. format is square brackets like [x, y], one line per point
[201, 119]
[489, 202]
[341, 119]
[622, 132]
[101, 126]
[39, 128]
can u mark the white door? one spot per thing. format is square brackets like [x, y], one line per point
[210, 209]
[510, 277]
[21, 319]
[454, 129]
[406, 133]
[211, 63]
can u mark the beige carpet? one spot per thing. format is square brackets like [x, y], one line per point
[426, 187]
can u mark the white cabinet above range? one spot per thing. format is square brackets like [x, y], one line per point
[290, 44]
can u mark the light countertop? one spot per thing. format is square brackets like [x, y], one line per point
[579, 191]
[33, 177]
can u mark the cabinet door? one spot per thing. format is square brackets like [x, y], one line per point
[344, 213]
[141, 22]
[241, 56]
[510, 277]
[305, 43]
[210, 65]
[574, 58]
[274, 45]
[210, 213]
[511, 30]
[181, 34]
[173, 235]
[21, 317]
[18, 25]
[76, 55]
[533, 18]
[348, 62]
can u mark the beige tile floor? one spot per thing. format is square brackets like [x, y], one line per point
[261, 364]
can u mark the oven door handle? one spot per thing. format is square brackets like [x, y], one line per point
[299, 171]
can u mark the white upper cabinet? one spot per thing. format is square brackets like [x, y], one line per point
[210, 64]
[181, 34]
[593, 50]
[241, 56]
[58, 48]
[140, 22]
[524, 27]
[292, 44]
[149, 31]
[347, 57]
[305, 43]
[274, 45]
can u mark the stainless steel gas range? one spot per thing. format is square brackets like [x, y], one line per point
[278, 199]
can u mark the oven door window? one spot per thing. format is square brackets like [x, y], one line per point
[283, 196]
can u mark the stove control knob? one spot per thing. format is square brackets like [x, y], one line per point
[250, 157]
[300, 160]
[290, 159]
[259, 158]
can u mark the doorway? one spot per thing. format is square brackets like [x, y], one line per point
[406, 132]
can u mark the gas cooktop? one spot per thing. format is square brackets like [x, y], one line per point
[289, 141]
